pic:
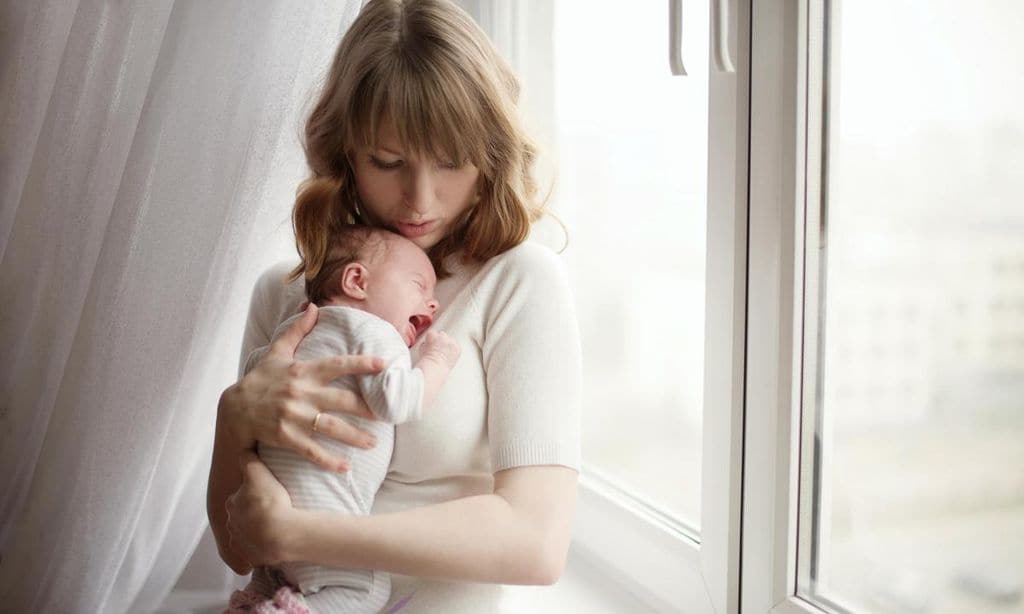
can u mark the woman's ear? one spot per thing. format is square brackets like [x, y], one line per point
[353, 280]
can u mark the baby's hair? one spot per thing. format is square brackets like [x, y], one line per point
[348, 244]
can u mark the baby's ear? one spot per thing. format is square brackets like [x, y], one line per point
[353, 280]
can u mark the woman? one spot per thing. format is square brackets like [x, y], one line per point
[416, 130]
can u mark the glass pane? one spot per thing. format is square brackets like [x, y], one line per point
[631, 187]
[921, 423]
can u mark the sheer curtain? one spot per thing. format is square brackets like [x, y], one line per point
[149, 159]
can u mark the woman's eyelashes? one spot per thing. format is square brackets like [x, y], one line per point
[386, 165]
[389, 165]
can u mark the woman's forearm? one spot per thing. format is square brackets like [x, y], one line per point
[225, 478]
[508, 537]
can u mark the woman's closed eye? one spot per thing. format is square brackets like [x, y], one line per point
[386, 165]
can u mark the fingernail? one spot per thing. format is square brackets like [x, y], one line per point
[370, 442]
[378, 363]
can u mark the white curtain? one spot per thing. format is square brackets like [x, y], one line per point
[149, 160]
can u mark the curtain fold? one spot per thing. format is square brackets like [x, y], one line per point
[150, 158]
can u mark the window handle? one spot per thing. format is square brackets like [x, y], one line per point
[723, 59]
[675, 37]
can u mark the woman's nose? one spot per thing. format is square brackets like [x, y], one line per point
[419, 189]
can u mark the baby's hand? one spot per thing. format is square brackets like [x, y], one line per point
[441, 347]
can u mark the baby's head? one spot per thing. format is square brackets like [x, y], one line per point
[380, 272]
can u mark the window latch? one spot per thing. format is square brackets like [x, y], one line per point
[720, 46]
[675, 37]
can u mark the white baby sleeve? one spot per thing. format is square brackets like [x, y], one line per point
[394, 395]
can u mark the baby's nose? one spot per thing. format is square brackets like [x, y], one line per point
[432, 305]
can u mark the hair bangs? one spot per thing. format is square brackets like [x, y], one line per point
[430, 108]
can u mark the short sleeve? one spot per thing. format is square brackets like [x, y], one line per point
[273, 301]
[532, 359]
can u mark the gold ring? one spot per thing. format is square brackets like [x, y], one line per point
[316, 421]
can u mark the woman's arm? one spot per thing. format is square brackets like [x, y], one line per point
[224, 479]
[519, 534]
[276, 403]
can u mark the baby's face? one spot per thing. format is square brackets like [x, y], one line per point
[400, 288]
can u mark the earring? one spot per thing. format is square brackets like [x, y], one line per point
[359, 214]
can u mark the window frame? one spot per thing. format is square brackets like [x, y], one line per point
[789, 153]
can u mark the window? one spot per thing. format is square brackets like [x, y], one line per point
[884, 444]
[631, 142]
[918, 499]
[655, 250]
[864, 301]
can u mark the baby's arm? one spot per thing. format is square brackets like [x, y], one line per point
[437, 358]
[402, 391]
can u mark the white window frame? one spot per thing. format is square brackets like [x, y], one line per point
[789, 147]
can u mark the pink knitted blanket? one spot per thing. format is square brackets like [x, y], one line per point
[285, 601]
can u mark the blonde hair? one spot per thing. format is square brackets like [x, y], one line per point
[426, 67]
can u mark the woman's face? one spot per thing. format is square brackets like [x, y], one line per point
[417, 197]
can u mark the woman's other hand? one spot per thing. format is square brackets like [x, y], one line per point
[277, 402]
[260, 515]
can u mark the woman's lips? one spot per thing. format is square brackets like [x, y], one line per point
[411, 231]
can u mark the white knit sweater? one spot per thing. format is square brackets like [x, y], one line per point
[512, 400]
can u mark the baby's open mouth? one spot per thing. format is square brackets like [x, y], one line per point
[421, 322]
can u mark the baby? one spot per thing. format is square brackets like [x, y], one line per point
[375, 294]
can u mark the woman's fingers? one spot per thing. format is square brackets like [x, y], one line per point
[327, 370]
[339, 429]
[252, 467]
[304, 445]
[289, 340]
[317, 455]
[333, 399]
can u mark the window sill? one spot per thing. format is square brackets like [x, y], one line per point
[582, 588]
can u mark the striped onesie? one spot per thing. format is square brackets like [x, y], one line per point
[395, 395]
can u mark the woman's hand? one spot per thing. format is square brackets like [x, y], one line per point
[260, 515]
[277, 402]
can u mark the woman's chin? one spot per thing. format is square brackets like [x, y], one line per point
[426, 241]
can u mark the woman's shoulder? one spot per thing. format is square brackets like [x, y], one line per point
[526, 260]
[525, 271]
[274, 298]
[275, 277]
